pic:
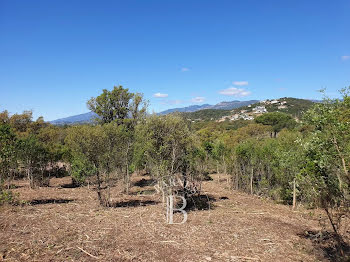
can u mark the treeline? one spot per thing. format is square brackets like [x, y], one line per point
[207, 114]
[274, 156]
[31, 149]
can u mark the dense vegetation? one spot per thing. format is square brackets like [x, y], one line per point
[207, 114]
[274, 156]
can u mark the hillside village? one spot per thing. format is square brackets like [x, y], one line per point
[252, 111]
[289, 105]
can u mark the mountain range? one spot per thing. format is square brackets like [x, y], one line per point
[90, 116]
[77, 119]
[226, 105]
[222, 105]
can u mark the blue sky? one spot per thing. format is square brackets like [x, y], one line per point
[55, 55]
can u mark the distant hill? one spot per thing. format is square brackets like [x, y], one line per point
[192, 108]
[222, 105]
[207, 114]
[293, 106]
[77, 119]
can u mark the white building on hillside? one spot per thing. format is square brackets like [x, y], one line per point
[259, 110]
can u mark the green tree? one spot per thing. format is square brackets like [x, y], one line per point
[34, 158]
[289, 159]
[4, 117]
[277, 121]
[328, 157]
[87, 150]
[52, 138]
[218, 153]
[21, 122]
[99, 151]
[118, 104]
[165, 142]
[8, 153]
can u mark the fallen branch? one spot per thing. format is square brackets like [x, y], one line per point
[167, 241]
[246, 258]
[87, 253]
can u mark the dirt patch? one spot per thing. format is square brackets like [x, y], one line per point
[240, 227]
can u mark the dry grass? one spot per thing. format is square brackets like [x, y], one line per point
[67, 224]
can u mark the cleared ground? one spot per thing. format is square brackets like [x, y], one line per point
[67, 224]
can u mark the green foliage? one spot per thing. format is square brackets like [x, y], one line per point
[164, 141]
[26, 147]
[8, 152]
[117, 105]
[53, 139]
[219, 126]
[8, 197]
[81, 169]
[277, 121]
[34, 158]
[111, 105]
[206, 114]
[326, 176]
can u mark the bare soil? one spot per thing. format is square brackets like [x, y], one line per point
[63, 223]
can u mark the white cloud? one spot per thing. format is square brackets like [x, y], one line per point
[345, 57]
[198, 99]
[233, 91]
[159, 95]
[240, 83]
[185, 69]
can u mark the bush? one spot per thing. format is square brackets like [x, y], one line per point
[81, 170]
[8, 197]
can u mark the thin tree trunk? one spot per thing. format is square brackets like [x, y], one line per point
[184, 177]
[127, 184]
[224, 162]
[9, 179]
[99, 190]
[127, 179]
[30, 178]
[242, 175]
[343, 162]
[338, 237]
[108, 198]
[294, 194]
[1, 175]
[251, 181]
